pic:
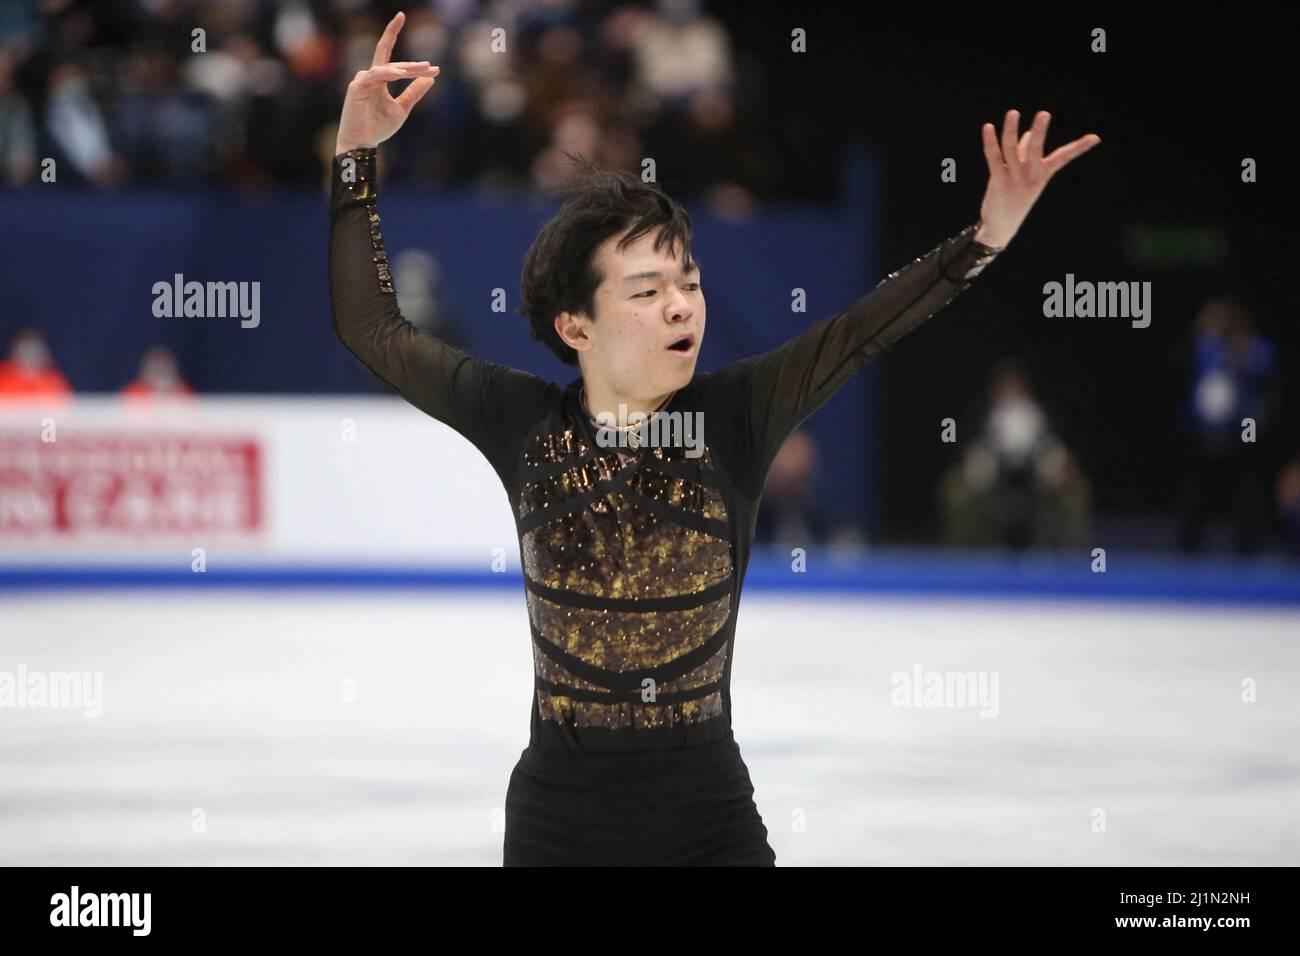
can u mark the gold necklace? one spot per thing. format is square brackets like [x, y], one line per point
[632, 439]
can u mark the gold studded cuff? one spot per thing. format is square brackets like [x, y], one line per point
[352, 180]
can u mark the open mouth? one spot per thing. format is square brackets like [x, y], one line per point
[684, 344]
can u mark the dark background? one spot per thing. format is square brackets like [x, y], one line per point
[1179, 99]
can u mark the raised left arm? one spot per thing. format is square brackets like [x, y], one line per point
[780, 388]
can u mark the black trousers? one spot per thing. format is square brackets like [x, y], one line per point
[690, 807]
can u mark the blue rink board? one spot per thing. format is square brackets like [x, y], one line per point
[1127, 577]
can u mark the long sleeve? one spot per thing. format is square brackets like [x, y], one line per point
[489, 404]
[773, 392]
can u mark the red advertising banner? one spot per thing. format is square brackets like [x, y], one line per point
[98, 482]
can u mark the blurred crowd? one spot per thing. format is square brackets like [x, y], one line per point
[247, 92]
[126, 91]
[1016, 485]
[28, 372]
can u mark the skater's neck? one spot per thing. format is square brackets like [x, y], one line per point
[600, 398]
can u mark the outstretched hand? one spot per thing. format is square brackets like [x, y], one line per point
[1018, 171]
[370, 113]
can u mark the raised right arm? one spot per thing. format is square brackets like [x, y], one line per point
[478, 399]
[489, 404]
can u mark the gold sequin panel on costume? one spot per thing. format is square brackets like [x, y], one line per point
[628, 565]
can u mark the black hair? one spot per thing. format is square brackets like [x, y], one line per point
[560, 274]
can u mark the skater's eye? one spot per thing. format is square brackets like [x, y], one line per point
[653, 291]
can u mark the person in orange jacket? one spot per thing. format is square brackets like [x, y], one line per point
[159, 376]
[28, 370]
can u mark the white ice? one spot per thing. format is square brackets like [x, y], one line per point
[228, 735]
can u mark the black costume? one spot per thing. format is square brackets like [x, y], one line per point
[633, 559]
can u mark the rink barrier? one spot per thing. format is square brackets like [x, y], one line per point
[1217, 581]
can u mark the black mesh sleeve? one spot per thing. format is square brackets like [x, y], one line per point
[769, 395]
[491, 405]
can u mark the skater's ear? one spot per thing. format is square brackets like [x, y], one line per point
[571, 327]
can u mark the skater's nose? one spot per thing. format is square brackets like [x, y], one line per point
[679, 310]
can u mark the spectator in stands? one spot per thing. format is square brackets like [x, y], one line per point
[679, 52]
[1234, 378]
[1288, 504]
[17, 130]
[28, 370]
[1017, 486]
[787, 514]
[77, 128]
[167, 133]
[123, 95]
[418, 274]
[159, 376]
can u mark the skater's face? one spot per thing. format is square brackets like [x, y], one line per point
[645, 305]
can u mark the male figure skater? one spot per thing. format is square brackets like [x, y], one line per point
[633, 553]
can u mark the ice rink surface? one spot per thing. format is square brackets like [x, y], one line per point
[380, 727]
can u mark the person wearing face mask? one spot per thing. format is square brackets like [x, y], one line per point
[1018, 486]
[28, 369]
